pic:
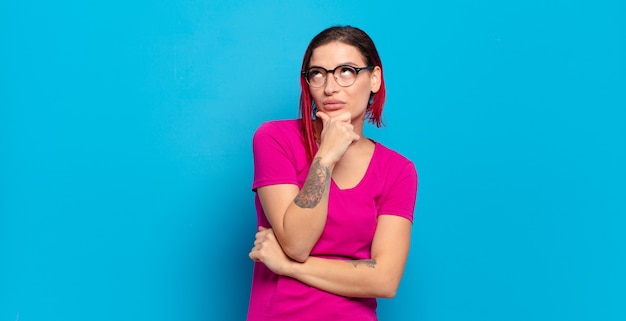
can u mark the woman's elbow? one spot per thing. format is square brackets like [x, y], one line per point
[298, 255]
[388, 288]
[295, 249]
[388, 293]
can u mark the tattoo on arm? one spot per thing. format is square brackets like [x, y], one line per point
[314, 187]
[371, 263]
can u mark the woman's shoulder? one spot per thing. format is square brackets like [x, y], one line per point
[279, 131]
[389, 155]
[278, 126]
[393, 167]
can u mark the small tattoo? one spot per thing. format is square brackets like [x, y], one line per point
[316, 182]
[371, 263]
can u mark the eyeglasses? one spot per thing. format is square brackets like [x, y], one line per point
[345, 75]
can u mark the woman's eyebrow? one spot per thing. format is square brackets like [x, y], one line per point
[349, 63]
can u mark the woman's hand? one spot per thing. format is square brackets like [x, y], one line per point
[267, 250]
[337, 135]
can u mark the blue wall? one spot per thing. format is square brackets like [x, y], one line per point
[125, 153]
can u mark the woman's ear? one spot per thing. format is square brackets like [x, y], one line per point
[375, 79]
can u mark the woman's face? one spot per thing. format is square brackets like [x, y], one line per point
[332, 98]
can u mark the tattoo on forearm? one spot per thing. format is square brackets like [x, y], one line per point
[371, 263]
[314, 187]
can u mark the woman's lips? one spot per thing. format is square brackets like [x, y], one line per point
[332, 104]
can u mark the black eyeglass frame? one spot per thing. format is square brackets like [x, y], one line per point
[332, 71]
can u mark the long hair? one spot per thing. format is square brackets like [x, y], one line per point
[354, 37]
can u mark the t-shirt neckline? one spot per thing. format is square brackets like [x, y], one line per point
[365, 176]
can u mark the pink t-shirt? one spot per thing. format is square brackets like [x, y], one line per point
[388, 187]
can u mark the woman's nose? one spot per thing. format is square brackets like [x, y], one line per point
[331, 85]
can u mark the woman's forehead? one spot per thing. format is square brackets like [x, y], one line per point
[336, 53]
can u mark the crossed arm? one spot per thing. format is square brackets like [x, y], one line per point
[378, 276]
[298, 218]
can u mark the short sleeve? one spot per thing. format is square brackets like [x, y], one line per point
[274, 162]
[400, 193]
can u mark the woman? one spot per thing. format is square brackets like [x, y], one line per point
[334, 208]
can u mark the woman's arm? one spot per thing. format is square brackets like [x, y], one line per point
[297, 216]
[378, 276]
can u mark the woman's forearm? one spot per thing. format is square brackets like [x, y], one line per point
[305, 217]
[378, 276]
[351, 278]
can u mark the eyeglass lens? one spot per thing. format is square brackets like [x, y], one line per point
[344, 75]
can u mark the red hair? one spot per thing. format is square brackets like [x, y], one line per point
[354, 37]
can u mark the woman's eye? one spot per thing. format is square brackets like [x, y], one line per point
[347, 71]
[315, 74]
